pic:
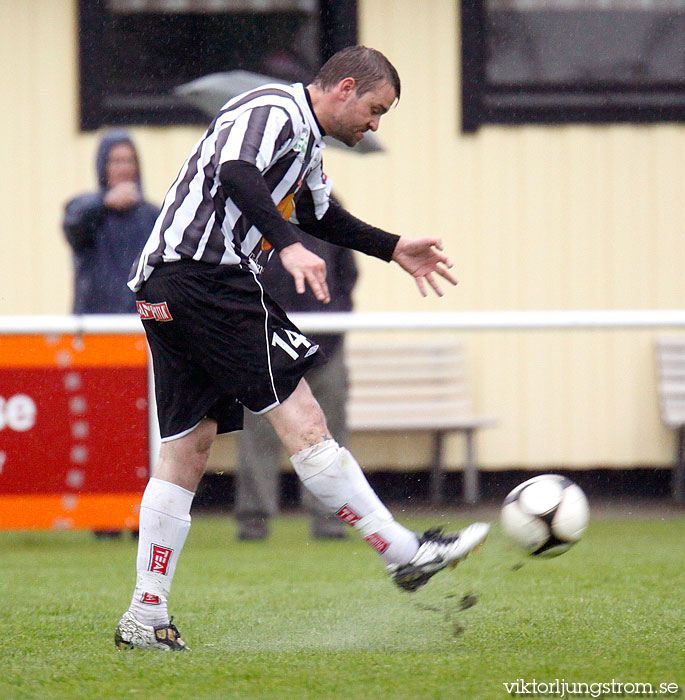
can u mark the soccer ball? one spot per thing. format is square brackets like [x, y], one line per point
[545, 515]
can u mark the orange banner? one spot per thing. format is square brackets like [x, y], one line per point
[69, 511]
[73, 351]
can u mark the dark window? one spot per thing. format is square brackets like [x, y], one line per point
[555, 61]
[134, 53]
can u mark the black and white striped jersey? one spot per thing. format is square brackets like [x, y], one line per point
[274, 129]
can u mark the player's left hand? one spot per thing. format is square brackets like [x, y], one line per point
[423, 258]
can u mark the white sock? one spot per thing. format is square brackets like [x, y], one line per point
[332, 474]
[164, 525]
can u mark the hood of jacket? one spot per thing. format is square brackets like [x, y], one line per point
[110, 139]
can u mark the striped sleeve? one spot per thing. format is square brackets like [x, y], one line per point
[257, 136]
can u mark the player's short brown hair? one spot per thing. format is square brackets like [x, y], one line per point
[368, 67]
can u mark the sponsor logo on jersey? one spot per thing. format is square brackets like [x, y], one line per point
[377, 542]
[301, 146]
[150, 599]
[348, 515]
[153, 312]
[159, 559]
[311, 350]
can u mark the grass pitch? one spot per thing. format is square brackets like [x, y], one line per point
[296, 618]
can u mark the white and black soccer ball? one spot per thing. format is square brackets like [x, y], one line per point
[545, 515]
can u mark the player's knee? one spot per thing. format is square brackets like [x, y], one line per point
[198, 456]
[299, 421]
[313, 420]
[191, 452]
[203, 437]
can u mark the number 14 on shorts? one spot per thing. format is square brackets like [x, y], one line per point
[295, 341]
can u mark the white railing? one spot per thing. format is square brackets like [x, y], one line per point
[380, 321]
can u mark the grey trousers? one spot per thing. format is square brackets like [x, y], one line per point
[260, 450]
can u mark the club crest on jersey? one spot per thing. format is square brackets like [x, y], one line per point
[159, 559]
[153, 312]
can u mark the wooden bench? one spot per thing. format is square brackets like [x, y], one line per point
[403, 387]
[670, 356]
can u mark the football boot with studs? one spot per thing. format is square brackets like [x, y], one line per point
[132, 634]
[437, 552]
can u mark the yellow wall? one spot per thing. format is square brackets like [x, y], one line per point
[573, 217]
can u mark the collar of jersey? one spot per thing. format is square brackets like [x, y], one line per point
[305, 103]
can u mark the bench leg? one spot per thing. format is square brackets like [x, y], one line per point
[471, 480]
[437, 476]
[678, 477]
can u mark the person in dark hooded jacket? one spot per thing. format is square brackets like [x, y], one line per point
[107, 229]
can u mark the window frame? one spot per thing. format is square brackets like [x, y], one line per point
[482, 104]
[338, 28]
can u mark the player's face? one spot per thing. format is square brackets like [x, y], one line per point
[122, 165]
[359, 113]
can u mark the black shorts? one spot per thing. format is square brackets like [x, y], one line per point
[218, 343]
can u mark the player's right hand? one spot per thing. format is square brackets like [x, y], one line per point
[306, 267]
